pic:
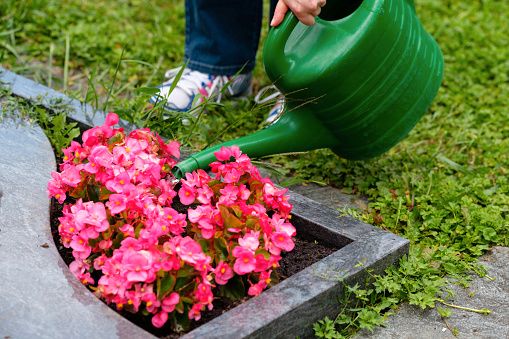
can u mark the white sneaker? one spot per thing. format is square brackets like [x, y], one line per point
[194, 84]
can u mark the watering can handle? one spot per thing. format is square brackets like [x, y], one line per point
[281, 32]
[276, 39]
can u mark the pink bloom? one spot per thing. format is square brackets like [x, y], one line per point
[138, 265]
[195, 312]
[160, 319]
[203, 293]
[262, 264]
[79, 244]
[56, 187]
[250, 240]
[204, 216]
[282, 240]
[135, 146]
[190, 251]
[281, 225]
[204, 194]
[94, 214]
[228, 195]
[116, 203]
[101, 156]
[223, 273]
[225, 153]
[121, 183]
[71, 176]
[127, 229]
[111, 119]
[168, 304]
[245, 262]
[172, 148]
[187, 194]
[105, 244]
[255, 289]
[151, 301]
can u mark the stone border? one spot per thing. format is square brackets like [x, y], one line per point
[47, 97]
[289, 308]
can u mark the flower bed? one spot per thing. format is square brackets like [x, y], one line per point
[137, 246]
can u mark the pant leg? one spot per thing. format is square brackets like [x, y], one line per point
[222, 35]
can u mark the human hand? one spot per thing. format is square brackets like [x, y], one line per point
[304, 10]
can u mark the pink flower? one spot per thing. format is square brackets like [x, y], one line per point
[168, 304]
[245, 262]
[190, 251]
[187, 194]
[172, 148]
[111, 119]
[128, 230]
[283, 241]
[262, 264]
[228, 195]
[160, 319]
[195, 312]
[225, 153]
[116, 203]
[223, 273]
[71, 176]
[138, 265]
[56, 187]
[203, 293]
[204, 216]
[93, 214]
[255, 290]
[101, 156]
[121, 183]
[250, 240]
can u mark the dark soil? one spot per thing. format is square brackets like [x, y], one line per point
[307, 251]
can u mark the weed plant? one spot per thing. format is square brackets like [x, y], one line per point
[445, 187]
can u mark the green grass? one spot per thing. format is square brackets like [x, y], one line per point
[445, 187]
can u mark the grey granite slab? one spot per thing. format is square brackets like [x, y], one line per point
[412, 322]
[39, 296]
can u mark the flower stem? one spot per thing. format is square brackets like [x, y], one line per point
[480, 311]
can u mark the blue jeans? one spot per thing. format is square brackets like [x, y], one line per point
[222, 35]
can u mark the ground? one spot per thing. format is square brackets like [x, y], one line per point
[445, 187]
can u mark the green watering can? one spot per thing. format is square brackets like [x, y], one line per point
[355, 82]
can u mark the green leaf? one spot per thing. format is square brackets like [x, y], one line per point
[234, 289]
[165, 285]
[230, 220]
[204, 243]
[221, 246]
[444, 312]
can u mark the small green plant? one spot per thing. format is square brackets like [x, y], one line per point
[59, 131]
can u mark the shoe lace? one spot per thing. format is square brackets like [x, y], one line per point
[263, 95]
[194, 82]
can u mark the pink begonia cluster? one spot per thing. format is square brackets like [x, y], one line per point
[135, 250]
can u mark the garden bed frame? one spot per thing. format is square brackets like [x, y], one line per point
[285, 310]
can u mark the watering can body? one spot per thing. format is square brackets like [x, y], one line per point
[356, 82]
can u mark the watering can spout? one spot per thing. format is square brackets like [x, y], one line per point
[293, 132]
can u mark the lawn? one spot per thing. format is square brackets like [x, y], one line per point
[445, 187]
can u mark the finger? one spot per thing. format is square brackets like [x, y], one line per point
[279, 13]
[317, 11]
[307, 19]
